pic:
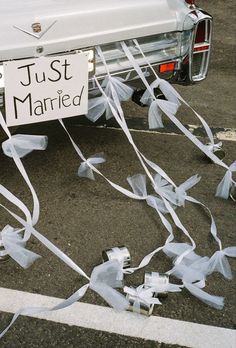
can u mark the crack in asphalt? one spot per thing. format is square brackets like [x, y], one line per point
[138, 124]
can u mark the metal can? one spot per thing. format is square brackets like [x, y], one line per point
[144, 308]
[233, 192]
[157, 280]
[3, 254]
[120, 253]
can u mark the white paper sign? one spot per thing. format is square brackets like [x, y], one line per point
[46, 88]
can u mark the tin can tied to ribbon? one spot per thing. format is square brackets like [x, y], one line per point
[120, 253]
[157, 281]
[3, 253]
[141, 300]
[143, 307]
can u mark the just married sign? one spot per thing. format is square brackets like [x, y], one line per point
[46, 88]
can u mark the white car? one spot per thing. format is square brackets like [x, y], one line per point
[175, 36]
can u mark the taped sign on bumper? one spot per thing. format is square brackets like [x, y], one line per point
[46, 88]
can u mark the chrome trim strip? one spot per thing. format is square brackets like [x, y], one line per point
[202, 17]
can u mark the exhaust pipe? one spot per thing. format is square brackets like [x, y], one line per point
[137, 96]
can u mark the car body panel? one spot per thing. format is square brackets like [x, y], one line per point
[78, 23]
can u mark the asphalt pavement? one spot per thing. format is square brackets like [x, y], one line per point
[84, 217]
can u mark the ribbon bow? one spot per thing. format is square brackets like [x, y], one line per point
[156, 105]
[14, 245]
[138, 185]
[123, 91]
[192, 271]
[213, 147]
[211, 300]
[223, 189]
[104, 279]
[98, 106]
[175, 250]
[194, 281]
[141, 294]
[85, 170]
[219, 263]
[165, 189]
[168, 91]
[155, 112]
[180, 191]
[24, 144]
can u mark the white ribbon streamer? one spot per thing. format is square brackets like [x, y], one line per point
[123, 125]
[24, 144]
[85, 170]
[214, 147]
[194, 281]
[102, 104]
[141, 294]
[155, 116]
[219, 263]
[14, 245]
[172, 95]
[216, 302]
[181, 190]
[223, 189]
[104, 279]
[19, 164]
[124, 92]
[98, 106]
[122, 122]
[168, 109]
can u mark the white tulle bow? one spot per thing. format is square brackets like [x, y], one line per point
[155, 112]
[181, 190]
[138, 185]
[14, 245]
[163, 288]
[104, 279]
[101, 105]
[167, 90]
[219, 263]
[24, 144]
[141, 294]
[223, 189]
[194, 281]
[123, 91]
[192, 270]
[164, 188]
[213, 147]
[85, 170]
[155, 116]
[211, 300]
[174, 250]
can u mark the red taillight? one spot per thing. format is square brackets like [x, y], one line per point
[167, 67]
[201, 48]
[202, 36]
[190, 2]
[201, 32]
